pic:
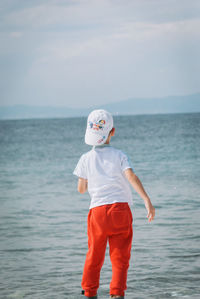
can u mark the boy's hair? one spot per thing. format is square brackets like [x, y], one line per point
[99, 125]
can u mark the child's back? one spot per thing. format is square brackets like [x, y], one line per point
[104, 168]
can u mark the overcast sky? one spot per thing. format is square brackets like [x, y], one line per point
[85, 52]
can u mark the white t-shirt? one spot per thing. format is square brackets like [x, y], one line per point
[103, 167]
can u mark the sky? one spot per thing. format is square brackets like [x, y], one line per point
[82, 53]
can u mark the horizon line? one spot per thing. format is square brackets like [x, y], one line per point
[85, 116]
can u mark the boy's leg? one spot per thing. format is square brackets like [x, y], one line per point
[97, 241]
[120, 248]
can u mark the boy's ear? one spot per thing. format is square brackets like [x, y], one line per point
[112, 132]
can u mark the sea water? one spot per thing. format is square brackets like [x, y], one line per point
[43, 219]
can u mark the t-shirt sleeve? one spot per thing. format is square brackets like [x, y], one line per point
[125, 162]
[80, 169]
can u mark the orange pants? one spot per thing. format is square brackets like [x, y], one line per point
[112, 223]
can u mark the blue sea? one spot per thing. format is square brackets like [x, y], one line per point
[43, 228]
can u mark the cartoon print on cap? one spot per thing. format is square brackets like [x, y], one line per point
[98, 125]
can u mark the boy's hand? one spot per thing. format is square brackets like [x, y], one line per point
[151, 213]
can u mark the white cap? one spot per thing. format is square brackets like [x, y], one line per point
[99, 125]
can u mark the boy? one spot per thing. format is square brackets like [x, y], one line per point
[106, 173]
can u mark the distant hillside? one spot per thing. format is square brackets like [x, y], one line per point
[172, 104]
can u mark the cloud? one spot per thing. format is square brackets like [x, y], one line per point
[43, 15]
[92, 49]
[132, 35]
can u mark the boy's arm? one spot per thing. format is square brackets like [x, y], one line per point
[82, 185]
[137, 185]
